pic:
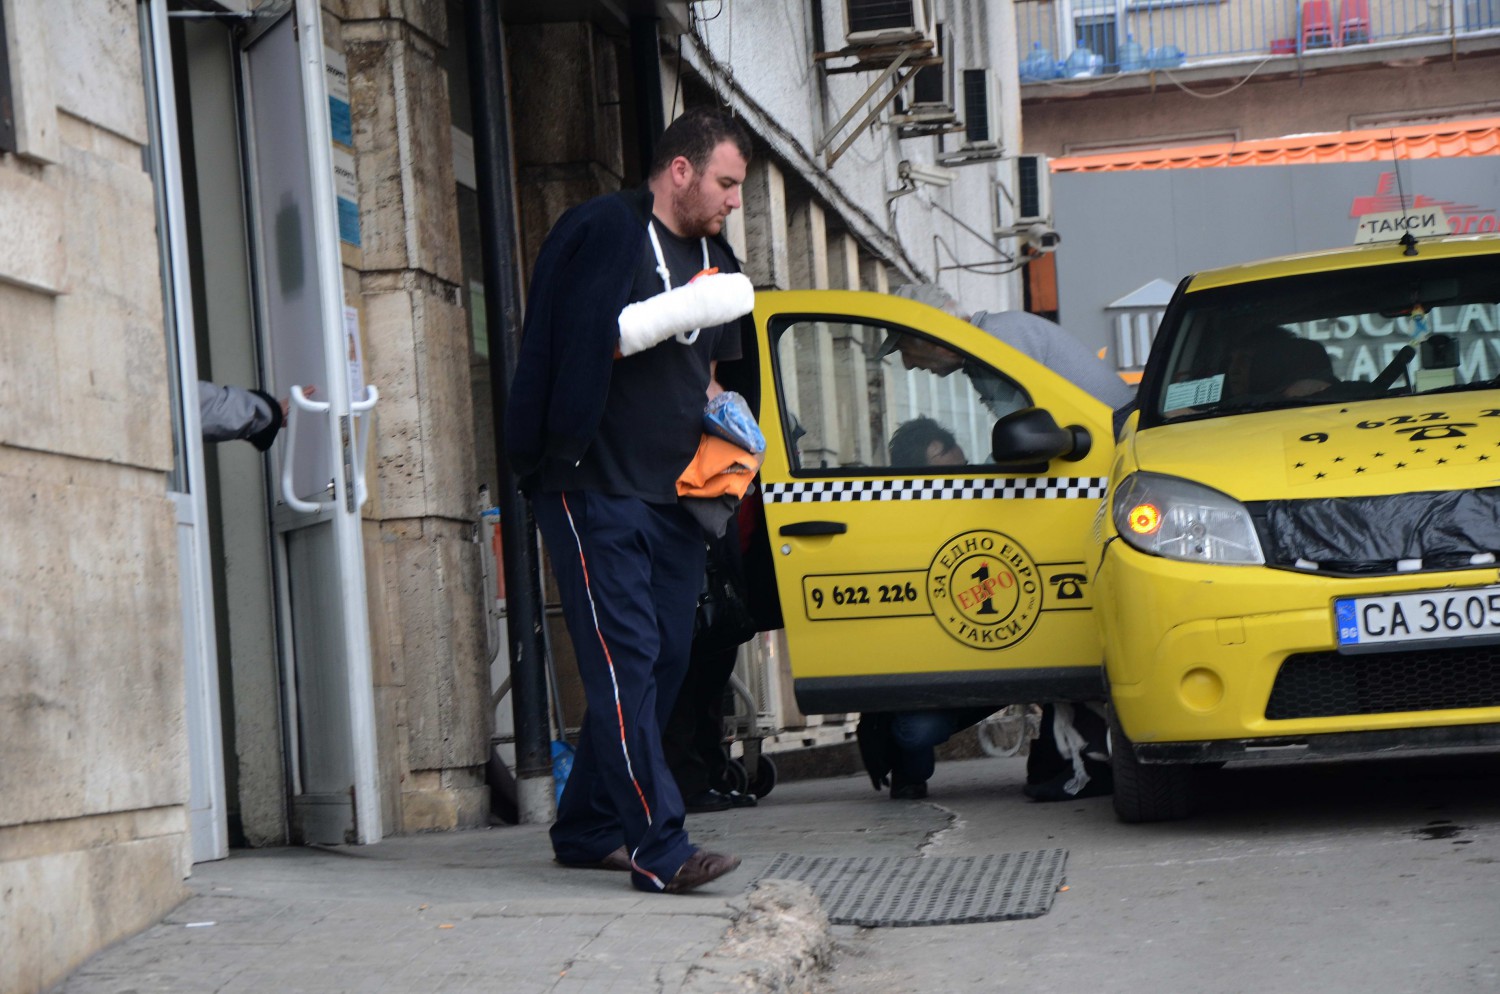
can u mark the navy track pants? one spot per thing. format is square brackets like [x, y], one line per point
[629, 573]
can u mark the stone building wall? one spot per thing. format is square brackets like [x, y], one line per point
[422, 564]
[93, 760]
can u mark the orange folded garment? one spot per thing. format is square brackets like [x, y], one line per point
[718, 468]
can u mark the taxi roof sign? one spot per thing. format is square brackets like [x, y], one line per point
[1390, 226]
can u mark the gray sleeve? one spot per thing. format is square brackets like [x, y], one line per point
[232, 412]
[1054, 347]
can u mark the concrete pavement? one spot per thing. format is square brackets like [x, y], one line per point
[1379, 877]
[489, 911]
[1325, 878]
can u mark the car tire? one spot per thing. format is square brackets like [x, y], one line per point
[1146, 792]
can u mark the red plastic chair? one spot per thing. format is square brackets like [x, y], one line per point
[1317, 24]
[1354, 22]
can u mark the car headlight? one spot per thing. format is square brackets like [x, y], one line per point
[1174, 518]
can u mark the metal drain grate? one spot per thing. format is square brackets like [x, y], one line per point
[899, 891]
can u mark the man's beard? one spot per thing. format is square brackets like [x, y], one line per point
[693, 215]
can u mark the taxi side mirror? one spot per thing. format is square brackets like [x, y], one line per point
[1030, 438]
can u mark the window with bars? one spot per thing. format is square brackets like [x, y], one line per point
[1099, 33]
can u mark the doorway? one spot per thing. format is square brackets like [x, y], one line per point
[257, 299]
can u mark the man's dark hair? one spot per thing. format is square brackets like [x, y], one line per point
[695, 135]
[911, 440]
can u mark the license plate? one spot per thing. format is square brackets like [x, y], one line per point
[1421, 616]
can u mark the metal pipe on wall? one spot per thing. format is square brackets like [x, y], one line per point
[645, 66]
[502, 289]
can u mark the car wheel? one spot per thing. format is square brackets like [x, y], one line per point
[1147, 791]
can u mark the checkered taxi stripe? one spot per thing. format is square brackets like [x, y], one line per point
[1061, 487]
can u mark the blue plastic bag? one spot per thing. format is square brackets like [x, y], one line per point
[728, 416]
[562, 765]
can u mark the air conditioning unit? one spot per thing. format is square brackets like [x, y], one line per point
[930, 107]
[1032, 190]
[980, 130]
[933, 85]
[1023, 201]
[875, 22]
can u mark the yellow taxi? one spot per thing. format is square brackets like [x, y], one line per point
[1298, 554]
[1291, 550]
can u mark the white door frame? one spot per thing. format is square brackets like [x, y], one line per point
[206, 801]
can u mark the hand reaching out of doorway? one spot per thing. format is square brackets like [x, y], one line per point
[229, 412]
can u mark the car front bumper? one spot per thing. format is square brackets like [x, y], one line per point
[1196, 654]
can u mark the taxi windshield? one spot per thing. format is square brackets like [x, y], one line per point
[1414, 327]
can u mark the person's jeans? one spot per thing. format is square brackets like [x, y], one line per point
[916, 733]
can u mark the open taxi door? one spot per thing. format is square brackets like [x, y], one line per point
[913, 569]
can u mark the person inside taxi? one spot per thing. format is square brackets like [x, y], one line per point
[923, 442]
[1274, 362]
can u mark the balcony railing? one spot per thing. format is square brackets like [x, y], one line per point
[1068, 38]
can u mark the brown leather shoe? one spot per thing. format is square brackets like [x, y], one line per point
[617, 860]
[700, 868]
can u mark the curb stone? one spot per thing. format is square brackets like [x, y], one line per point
[778, 943]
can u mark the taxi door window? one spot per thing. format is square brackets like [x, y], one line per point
[856, 395]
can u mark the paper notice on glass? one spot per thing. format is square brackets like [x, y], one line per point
[1193, 393]
[353, 354]
[346, 188]
[336, 78]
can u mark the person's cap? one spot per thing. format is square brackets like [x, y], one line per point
[923, 293]
[933, 296]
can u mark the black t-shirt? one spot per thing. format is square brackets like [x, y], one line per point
[653, 416]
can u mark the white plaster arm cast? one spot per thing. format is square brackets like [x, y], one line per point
[705, 302]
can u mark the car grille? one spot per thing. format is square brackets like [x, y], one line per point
[1325, 684]
[1434, 531]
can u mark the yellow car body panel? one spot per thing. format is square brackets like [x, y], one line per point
[1361, 449]
[933, 588]
[1333, 260]
[1194, 650]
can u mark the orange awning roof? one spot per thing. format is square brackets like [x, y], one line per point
[1428, 141]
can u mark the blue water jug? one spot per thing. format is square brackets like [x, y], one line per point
[1166, 57]
[1132, 56]
[1038, 64]
[1081, 63]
